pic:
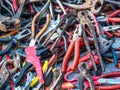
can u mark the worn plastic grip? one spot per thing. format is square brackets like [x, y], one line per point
[5, 39]
[10, 45]
[114, 56]
[27, 65]
[109, 20]
[67, 56]
[77, 54]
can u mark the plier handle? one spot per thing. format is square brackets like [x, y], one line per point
[74, 46]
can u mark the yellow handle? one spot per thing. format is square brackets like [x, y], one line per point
[36, 79]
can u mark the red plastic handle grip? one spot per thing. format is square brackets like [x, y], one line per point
[15, 6]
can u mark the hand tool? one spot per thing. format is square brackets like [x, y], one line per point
[27, 66]
[66, 85]
[74, 79]
[111, 17]
[60, 4]
[86, 58]
[51, 11]
[53, 24]
[38, 15]
[10, 33]
[16, 57]
[94, 5]
[84, 75]
[84, 23]
[4, 72]
[16, 18]
[74, 45]
[36, 79]
[70, 17]
[57, 77]
[15, 76]
[94, 36]
[28, 81]
[11, 6]
[111, 28]
[2, 4]
[113, 2]
[13, 40]
[33, 42]
[111, 81]
[114, 56]
[31, 9]
[104, 43]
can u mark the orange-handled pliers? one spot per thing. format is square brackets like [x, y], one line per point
[36, 17]
[74, 46]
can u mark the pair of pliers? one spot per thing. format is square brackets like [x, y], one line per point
[82, 59]
[111, 17]
[13, 40]
[36, 17]
[88, 4]
[86, 58]
[74, 46]
[111, 81]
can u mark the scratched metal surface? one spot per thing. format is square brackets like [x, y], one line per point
[110, 67]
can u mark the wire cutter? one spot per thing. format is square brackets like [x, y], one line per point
[74, 46]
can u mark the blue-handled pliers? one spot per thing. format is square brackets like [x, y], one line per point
[114, 56]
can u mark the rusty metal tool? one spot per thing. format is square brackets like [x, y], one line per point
[84, 75]
[94, 36]
[5, 72]
[84, 23]
[94, 5]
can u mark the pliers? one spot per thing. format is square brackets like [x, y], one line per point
[112, 79]
[111, 17]
[74, 46]
[65, 23]
[85, 76]
[88, 4]
[14, 40]
[36, 17]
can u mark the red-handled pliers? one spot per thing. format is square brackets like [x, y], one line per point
[111, 17]
[74, 46]
[86, 58]
[111, 81]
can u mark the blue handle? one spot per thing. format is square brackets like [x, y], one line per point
[10, 45]
[114, 55]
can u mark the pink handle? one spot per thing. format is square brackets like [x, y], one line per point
[31, 9]
[33, 59]
[15, 5]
